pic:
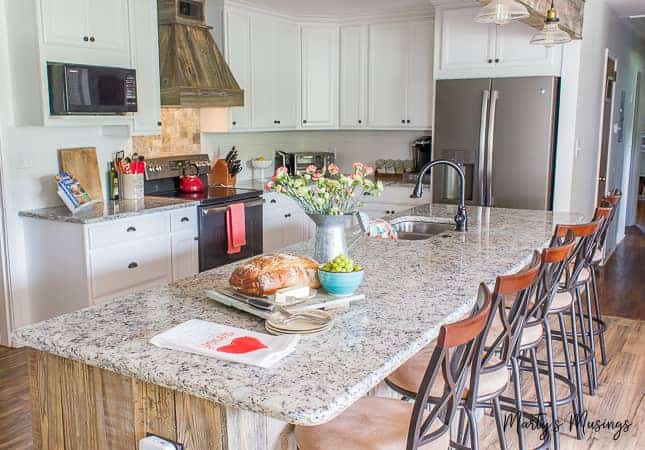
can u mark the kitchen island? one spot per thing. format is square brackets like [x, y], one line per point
[115, 386]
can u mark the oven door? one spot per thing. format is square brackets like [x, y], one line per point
[213, 239]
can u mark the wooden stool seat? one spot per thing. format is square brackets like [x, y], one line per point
[372, 423]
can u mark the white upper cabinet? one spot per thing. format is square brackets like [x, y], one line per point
[420, 92]
[401, 81]
[319, 76]
[275, 73]
[464, 45]
[145, 59]
[86, 31]
[353, 76]
[238, 56]
[388, 61]
[287, 75]
[466, 49]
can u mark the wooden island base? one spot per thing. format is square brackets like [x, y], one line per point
[79, 407]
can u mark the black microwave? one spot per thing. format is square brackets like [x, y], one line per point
[91, 90]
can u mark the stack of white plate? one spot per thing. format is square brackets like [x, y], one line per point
[299, 324]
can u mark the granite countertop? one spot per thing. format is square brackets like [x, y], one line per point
[113, 210]
[412, 288]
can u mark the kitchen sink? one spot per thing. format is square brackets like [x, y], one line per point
[419, 229]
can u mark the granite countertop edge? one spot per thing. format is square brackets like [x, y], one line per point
[108, 211]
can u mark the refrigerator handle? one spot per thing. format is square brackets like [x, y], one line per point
[482, 146]
[490, 148]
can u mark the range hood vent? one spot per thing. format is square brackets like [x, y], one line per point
[193, 71]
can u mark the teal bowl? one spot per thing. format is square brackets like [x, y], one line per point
[340, 284]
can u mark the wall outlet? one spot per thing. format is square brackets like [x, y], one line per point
[152, 442]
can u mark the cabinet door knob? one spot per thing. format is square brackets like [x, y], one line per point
[131, 229]
[185, 219]
[403, 121]
[159, 123]
[85, 38]
[133, 265]
[408, 121]
[496, 60]
[92, 39]
[360, 121]
[234, 123]
[490, 61]
[304, 121]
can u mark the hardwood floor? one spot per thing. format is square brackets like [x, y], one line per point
[620, 396]
[621, 282]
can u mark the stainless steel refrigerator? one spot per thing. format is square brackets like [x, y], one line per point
[502, 131]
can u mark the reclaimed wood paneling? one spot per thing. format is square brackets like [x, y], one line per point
[199, 423]
[571, 14]
[15, 413]
[154, 411]
[46, 401]
[114, 410]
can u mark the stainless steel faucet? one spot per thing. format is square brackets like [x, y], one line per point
[461, 219]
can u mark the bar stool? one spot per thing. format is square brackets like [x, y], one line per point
[575, 280]
[374, 423]
[537, 330]
[490, 375]
[607, 210]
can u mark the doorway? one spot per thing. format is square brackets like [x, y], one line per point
[606, 121]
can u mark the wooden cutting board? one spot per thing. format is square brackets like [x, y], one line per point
[83, 165]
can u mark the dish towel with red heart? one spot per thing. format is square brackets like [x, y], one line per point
[227, 343]
[235, 228]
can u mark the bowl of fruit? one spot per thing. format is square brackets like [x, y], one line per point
[261, 163]
[341, 276]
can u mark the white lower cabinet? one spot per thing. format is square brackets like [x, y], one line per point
[72, 266]
[185, 254]
[285, 223]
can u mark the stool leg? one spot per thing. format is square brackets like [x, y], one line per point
[552, 388]
[497, 411]
[576, 364]
[585, 336]
[472, 426]
[565, 344]
[592, 339]
[594, 285]
[538, 386]
[518, 402]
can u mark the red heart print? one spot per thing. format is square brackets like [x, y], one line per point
[244, 344]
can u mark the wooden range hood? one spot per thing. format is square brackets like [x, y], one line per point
[193, 72]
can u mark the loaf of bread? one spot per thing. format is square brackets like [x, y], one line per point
[266, 274]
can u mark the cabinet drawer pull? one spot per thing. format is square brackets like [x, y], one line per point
[273, 200]
[287, 216]
[277, 122]
[131, 230]
[185, 219]
[133, 265]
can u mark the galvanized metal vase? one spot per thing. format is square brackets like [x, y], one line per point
[330, 236]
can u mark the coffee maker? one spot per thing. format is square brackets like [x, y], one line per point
[421, 152]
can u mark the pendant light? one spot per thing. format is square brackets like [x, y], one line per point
[551, 34]
[501, 12]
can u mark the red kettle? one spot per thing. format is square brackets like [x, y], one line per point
[189, 184]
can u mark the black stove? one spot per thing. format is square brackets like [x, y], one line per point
[162, 180]
[214, 195]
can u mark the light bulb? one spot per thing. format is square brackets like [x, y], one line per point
[501, 12]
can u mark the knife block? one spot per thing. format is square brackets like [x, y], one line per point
[219, 174]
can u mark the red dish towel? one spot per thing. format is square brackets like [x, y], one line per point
[235, 228]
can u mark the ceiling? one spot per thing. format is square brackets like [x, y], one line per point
[338, 8]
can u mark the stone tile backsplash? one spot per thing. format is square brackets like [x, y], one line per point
[180, 135]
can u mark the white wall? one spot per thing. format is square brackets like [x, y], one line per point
[603, 29]
[351, 146]
[30, 160]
